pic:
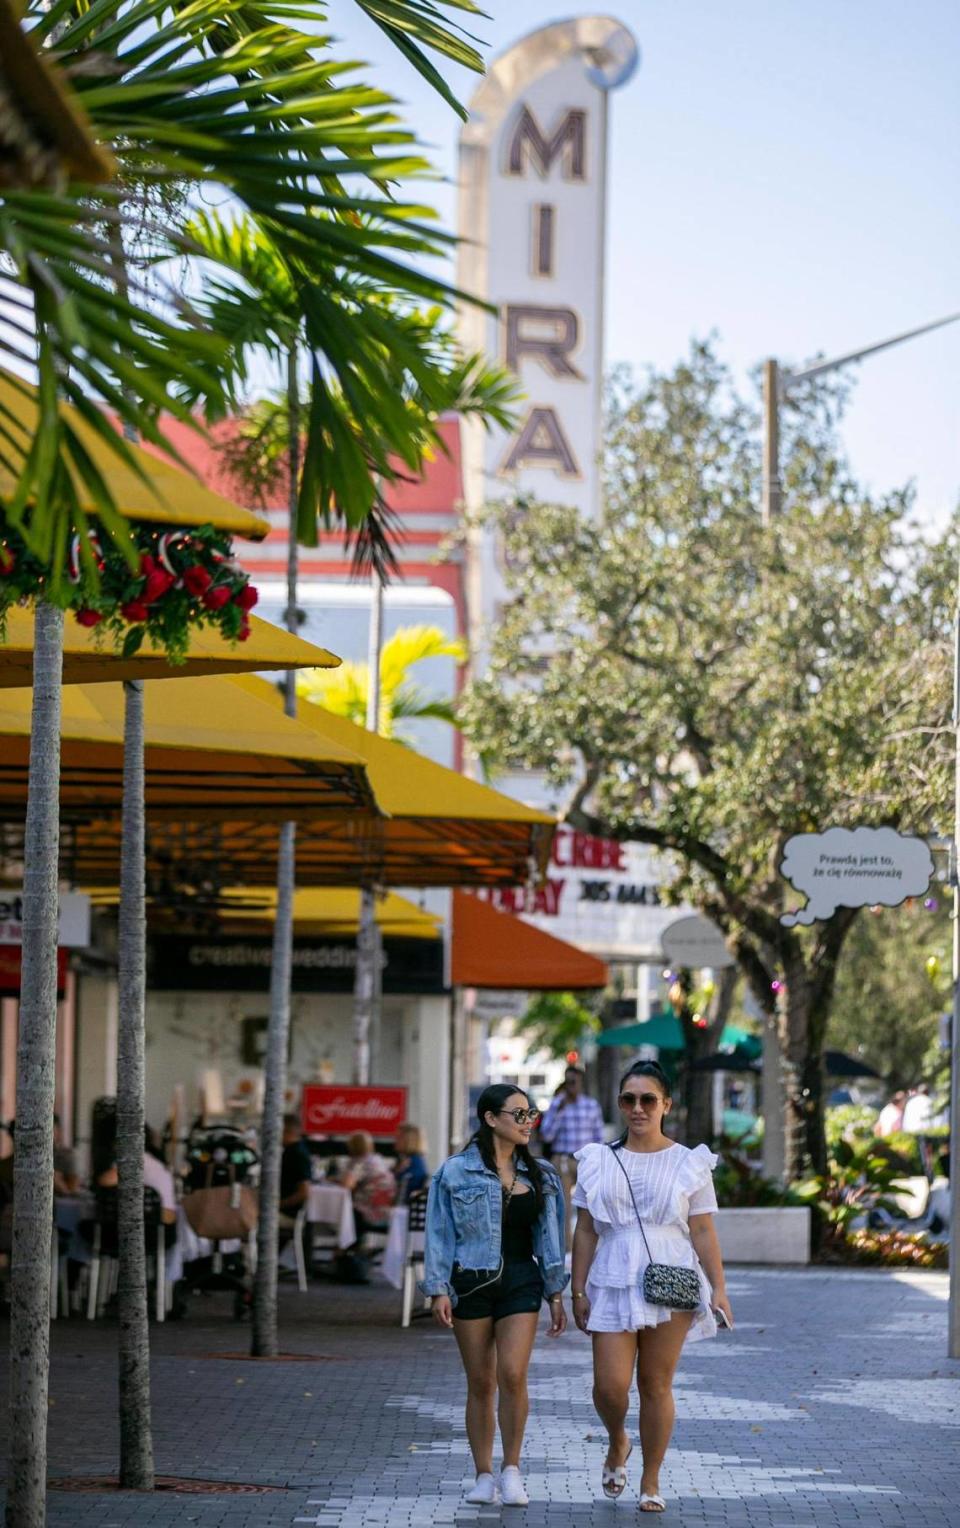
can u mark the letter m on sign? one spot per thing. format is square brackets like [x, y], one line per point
[528, 145]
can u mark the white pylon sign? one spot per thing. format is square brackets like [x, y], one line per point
[531, 218]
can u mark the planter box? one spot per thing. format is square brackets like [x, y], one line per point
[780, 1234]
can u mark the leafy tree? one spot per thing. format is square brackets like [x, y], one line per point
[714, 686]
[893, 985]
[556, 1022]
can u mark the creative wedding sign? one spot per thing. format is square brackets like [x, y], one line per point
[853, 867]
[693, 943]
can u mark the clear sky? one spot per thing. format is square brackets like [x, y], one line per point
[783, 172]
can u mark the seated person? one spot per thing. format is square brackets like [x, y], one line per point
[156, 1175]
[410, 1169]
[295, 1168]
[369, 1180]
[373, 1189]
[66, 1179]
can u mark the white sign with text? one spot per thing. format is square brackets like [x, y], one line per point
[74, 930]
[853, 867]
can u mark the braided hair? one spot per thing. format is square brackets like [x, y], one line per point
[651, 1069]
[491, 1101]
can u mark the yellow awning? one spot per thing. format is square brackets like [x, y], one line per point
[169, 495]
[212, 751]
[88, 661]
[444, 830]
[438, 829]
[318, 912]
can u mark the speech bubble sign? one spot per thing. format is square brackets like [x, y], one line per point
[695, 942]
[853, 867]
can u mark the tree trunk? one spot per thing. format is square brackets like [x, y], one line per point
[36, 1055]
[264, 1335]
[136, 1442]
[367, 983]
[264, 1343]
[698, 1086]
[364, 992]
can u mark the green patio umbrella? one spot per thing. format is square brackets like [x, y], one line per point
[662, 1029]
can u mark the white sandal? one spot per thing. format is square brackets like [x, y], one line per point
[614, 1481]
[651, 1503]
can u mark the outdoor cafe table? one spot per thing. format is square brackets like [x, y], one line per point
[396, 1248]
[331, 1205]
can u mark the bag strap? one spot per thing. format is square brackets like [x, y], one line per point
[614, 1147]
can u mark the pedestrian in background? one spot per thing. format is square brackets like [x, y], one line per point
[573, 1120]
[410, 1167]
[494, 1252]
[647, 1271]
[890, 1118]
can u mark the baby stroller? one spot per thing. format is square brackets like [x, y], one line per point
[220, 1205]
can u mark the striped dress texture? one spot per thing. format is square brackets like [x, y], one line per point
[669, 1186]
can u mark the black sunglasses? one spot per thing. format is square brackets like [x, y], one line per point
[647, 1100]
[520, 1116]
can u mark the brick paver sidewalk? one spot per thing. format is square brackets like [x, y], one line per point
[832, 1403]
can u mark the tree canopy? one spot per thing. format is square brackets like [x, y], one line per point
[688, 678]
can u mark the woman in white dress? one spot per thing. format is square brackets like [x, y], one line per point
[672, 1189]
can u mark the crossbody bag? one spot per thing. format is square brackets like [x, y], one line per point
[663, 1283]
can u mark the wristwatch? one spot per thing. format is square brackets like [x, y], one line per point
[579, 1294]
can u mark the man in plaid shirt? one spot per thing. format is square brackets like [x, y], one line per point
[572, 1120]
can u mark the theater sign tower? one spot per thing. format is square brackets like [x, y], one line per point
[531, 218]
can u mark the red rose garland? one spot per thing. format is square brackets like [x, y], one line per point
[183, 580]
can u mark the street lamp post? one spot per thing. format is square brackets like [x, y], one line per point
[777, 384]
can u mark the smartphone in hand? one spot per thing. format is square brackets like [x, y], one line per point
[721, 1316]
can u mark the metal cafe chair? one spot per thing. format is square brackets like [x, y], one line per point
[413, 1254]
[106, 1250]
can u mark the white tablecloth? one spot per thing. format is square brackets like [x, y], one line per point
[395, 1250]
[331, 1205]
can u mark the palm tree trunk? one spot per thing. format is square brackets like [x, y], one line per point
[36, 1054]
[136, 1442]
[264, 1336]
[366, 991]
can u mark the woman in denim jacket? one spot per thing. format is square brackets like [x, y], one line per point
[494, 1251]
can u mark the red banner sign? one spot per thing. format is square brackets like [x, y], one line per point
[10, 971]
[329, 1110]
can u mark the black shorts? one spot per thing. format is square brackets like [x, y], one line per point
[480, 1293]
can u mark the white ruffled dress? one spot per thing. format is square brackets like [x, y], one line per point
[669, 1186]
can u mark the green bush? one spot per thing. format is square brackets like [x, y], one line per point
[848, 1121]
[740, 1187]
[859, 1180]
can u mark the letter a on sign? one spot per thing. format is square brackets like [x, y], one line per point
[541, 443]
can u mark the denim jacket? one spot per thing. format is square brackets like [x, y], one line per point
[464, 1211]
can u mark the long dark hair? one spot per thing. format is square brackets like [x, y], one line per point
[651, 1069]
[491, 1101]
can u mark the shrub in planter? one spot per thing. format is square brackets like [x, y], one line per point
[859, 1180]
[740, 1186]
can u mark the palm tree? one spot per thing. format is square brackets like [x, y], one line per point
[345, 691]
[263, 304]
[182, 97]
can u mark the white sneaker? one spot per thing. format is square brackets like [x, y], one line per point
[484, 1491]
[512, 1492]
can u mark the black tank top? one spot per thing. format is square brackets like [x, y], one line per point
[520, 1217]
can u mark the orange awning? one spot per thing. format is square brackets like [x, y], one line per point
[493, 949]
